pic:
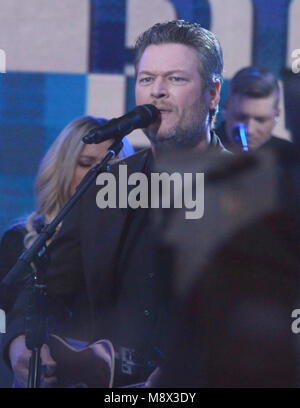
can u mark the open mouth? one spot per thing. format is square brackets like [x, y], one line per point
[163, 111]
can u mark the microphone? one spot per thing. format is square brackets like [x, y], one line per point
[239, 133]
[141, 117]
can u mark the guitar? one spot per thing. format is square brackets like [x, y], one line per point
[82, 365]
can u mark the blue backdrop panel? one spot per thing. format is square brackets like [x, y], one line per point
[65, 99]
[270, 34]
[108, 53]
[34, 108]
[16, 198]
[197, 11]
[21, 107]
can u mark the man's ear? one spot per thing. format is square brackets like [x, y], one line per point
[214, 93]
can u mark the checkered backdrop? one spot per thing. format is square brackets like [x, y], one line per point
[67, 58]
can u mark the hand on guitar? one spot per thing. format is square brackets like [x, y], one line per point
[66, 365]
[20, 355]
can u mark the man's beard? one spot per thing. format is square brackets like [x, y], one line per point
[181, 137]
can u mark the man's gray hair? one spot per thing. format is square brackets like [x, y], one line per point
[193, 35]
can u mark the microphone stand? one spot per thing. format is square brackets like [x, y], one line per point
[32, 264]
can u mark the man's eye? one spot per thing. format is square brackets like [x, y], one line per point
[145, 80]
[176, 79]
[261, 120]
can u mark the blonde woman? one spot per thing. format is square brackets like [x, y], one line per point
[60, 171]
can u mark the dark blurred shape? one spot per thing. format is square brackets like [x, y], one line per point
[234, 326]
[235, 297]
[291, 84]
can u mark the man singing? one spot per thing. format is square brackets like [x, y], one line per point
[109, 254]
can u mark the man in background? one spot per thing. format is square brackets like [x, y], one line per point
[253, 108]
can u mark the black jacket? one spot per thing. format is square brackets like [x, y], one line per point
[110, 256]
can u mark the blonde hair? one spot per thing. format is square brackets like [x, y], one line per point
[56, 171]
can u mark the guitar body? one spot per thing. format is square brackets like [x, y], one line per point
[82, 365]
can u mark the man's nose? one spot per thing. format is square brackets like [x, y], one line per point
[159, 88]
[251, 126]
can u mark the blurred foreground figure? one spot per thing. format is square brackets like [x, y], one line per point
[235, 330]
[234, 324]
